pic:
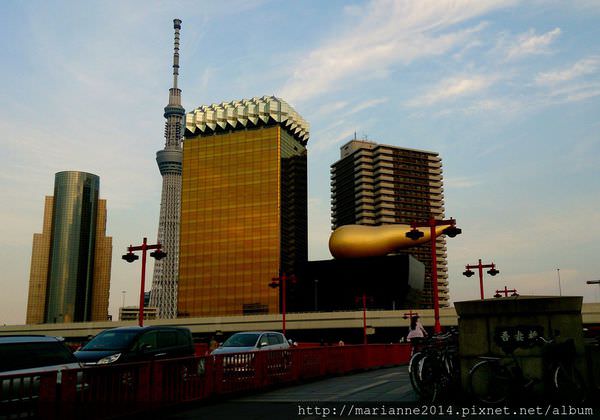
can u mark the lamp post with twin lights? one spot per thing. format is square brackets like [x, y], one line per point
[506, 291]
[410, 314]
[281, 283]
[131, 257]
[416, 234]
[492, 272]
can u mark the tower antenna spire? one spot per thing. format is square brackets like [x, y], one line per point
[164, 283]
[177, 27]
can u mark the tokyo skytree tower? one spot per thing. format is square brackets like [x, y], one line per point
[164, 282]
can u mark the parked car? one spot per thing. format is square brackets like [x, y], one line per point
[244, 342]
[29, 354]
[238, 351]
[23, 359]
[135, 344]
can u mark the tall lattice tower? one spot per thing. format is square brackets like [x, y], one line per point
[164, 283]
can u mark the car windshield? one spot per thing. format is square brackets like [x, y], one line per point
[15, 356]
[241, 340]
[111, 340]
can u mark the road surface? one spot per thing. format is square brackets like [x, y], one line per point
[315, 400]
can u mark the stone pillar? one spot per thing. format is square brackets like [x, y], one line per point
[482, 322]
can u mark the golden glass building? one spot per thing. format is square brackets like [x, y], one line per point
[243, 206]
[71, 258]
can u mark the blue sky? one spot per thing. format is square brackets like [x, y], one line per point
[507, 92]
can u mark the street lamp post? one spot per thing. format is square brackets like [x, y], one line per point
[281, 283]
[559, 286]
[415, 234]
[131, 257]
[492, 272]
[364, 303]
[506, 291]
[410, 314]
[316, 295]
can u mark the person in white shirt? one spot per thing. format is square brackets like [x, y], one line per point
[416, 329]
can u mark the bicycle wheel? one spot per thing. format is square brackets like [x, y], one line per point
[490, 382]
[451, 366]
[429, 371]
[569, 385]
[413, 371]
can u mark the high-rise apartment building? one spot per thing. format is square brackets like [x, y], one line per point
[243, 206]
[164, 282]
[375, 184]
[71, 258]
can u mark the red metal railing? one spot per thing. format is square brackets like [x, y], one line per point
[106, 391]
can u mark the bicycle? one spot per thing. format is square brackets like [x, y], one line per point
[414, 363]
[433, 369]
[495, 380]
[568, 383]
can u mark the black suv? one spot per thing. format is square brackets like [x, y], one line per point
[135, 344]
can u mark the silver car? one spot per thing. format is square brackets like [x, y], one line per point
[244, 342]
[237, 352]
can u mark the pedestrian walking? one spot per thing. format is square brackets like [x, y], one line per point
[416, 329]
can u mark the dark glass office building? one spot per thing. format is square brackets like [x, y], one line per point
[243, 206]
[70, 270]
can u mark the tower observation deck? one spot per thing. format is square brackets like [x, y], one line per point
[164, 282]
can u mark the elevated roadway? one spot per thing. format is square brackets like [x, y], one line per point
[294, 321]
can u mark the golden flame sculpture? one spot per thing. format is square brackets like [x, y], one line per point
[357, 241]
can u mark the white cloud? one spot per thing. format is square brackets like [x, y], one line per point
[471, 45]
[391, 33]
[343, 127]
[368, 104]
[329, 138]
[572, 93]
[530, 43]
[452, 88]
[461, 182]
[581, 68]
[332, 107]
[343, 108]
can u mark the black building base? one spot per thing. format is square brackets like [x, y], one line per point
[390, 282]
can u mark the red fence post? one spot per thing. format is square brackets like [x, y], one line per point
[47, 402]
[218, 376]
[151, 385]
[260, 369]
[208, 380]
[325, 359]
[295, 365]
[68, 393]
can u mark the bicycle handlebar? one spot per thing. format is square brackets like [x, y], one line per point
[545, 340]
